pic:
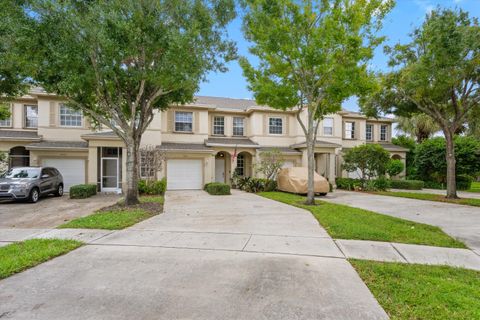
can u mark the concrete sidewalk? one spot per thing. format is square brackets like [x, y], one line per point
[206, 257]
[461, 194]
[459, 221]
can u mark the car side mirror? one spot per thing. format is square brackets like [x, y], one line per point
[45, 176]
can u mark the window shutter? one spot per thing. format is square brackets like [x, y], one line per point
[53, 114]
[170, 120]
[196, 121]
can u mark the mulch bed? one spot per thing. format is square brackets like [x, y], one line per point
[150, 207]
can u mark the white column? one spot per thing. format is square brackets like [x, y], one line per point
[331, 169]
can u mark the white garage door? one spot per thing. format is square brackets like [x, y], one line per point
[72, 170]
[184, 174]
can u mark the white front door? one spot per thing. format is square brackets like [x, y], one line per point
[184, 174]
[220, 170]
[72, 170]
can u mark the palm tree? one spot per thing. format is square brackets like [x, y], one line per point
[419, 126]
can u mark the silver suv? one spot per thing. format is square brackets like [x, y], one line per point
[29, 183]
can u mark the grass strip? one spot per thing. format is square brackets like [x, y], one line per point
[430, 197]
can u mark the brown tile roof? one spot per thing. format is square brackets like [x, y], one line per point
[17, 134]
[171, 146]
[231, 142]
[58, 145]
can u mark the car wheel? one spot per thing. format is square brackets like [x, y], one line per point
[34, 195]
[59, 191]
[323, 194]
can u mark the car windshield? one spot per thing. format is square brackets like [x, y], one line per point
[22, 173]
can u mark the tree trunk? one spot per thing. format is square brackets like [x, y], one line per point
[450, 156]
[131, 196]
[310, 160]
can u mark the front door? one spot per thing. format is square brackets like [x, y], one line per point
[110, 174]
[220, 170]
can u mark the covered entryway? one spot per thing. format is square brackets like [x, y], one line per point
[222, 161]
[72, 170]
[183, 174]
[19, 157]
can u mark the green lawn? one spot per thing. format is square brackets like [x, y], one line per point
[19, 256]
[475, 187]
[430, 197]
[152, 199]
[110, 220]
[412, 291]
[119, 217]
[344, 222]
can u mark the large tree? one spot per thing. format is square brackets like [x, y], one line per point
[437, 74]
[120, 60]
[312, 56]
[14, 68]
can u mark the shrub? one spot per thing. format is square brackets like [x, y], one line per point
[406, 184]
[255, 185]
[82, 191]
[369, 160]
[348, 183]
[464, 182]
[394, 167]
[356, 184]
[157, 187]
[379, 184]
[217, 188]
[431, 164]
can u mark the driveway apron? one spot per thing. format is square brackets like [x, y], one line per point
[206, 257]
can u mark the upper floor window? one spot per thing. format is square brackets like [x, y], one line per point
[31, 116]
[238, 126]
[8, 121]
[219, 125]
[383, 132]
[275, 125]
[184, 121]
[349, 130]
[369, 132]
[328, 127]
[70, 117]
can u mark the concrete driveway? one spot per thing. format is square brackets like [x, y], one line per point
[206, 257]
[459, 221]
[50, 212]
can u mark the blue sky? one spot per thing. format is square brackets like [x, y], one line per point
[406, 15]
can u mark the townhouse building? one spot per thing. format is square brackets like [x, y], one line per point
[204, 141]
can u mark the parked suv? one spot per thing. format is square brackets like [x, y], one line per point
[30, 183]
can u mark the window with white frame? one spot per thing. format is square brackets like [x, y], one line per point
[183, 121]
[328, 126]
[275, 125]
[369, 132]
[383, 132]
[70, 117]
[349, 130]
[8, 121]
[238, 126]
[31, 116]
[240, 165]
[219, 125]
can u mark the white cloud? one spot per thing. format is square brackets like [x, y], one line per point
[426, 5]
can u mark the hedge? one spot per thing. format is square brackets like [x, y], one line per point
[82, 191]
[407, 184]
[348, 183]
[157, 187]
[217, 188]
